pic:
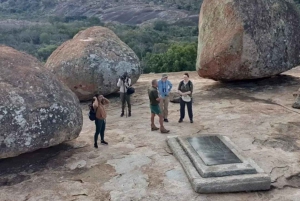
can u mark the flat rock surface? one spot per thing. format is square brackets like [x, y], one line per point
[138, 165]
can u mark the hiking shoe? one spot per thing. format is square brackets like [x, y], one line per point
[122, 114]
[95, 145]
[166, 120]
[191, 121]
[103, 142]
[163, 130]
[154, 128]
[180, 120]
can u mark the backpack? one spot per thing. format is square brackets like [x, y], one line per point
[92, 113]
[181, 83]
[130, 90]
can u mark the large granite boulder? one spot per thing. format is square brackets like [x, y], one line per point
[36, 110]
[246, 39]
[93, 61]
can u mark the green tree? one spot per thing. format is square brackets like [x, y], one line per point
[45, 52]
[160, 25]
[179, 57]
[44, 38]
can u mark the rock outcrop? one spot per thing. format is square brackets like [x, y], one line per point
[92, 62]
[296, 104]
[36, 110]
[247, 39]
[174, 97]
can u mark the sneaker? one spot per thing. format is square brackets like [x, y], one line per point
[180, 120]
[122, 114]
[192, 121]
[103, 142]
[95, 145]
[166, 120]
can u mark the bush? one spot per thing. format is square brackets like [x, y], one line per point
[179, 57]
[45, 52]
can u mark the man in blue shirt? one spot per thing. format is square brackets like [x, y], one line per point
[164, 88]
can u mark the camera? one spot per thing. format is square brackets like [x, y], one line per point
[122, 77]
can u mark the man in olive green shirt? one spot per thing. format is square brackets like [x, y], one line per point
[155, 109]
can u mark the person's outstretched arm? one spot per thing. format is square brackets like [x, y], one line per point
[129, 82]
[179, 91]
[95, 103]
[119, 83]
[170, 86]
[106, 101]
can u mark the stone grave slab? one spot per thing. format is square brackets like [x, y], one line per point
[212, 150]
[214, 164]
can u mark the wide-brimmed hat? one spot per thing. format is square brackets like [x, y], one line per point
[164, 75]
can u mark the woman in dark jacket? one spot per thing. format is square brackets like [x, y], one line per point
[185, 89]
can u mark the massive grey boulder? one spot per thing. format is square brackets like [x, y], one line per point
[36, 110]
[246, 39]
[92, 62]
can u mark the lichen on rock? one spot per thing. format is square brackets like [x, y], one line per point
[92, 62]
[36, 110]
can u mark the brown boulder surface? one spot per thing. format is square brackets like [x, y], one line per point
[36, 110]
[247, 39]
[92, 62]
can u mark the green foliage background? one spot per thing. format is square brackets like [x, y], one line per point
[161, 47]
[160, 40]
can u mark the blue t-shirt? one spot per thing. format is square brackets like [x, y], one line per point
[164, 88]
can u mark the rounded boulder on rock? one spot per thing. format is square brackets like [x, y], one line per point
[247, 39]
[93, 61]
[36, 110]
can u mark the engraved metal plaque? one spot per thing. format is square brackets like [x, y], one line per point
[213, 151]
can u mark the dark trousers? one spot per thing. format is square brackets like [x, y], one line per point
[189, 107]
[100, 128]
[125, 98]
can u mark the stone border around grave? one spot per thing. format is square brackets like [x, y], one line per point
[235, 183]
[217, 170]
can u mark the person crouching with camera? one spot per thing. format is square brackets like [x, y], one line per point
[124, 83]
[99, 103]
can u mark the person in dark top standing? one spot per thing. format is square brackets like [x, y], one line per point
[124, 83]
[185, 89]
[155, 109]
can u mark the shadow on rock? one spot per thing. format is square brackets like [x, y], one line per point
[260, 84]
[242, 89]
[17, 169]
